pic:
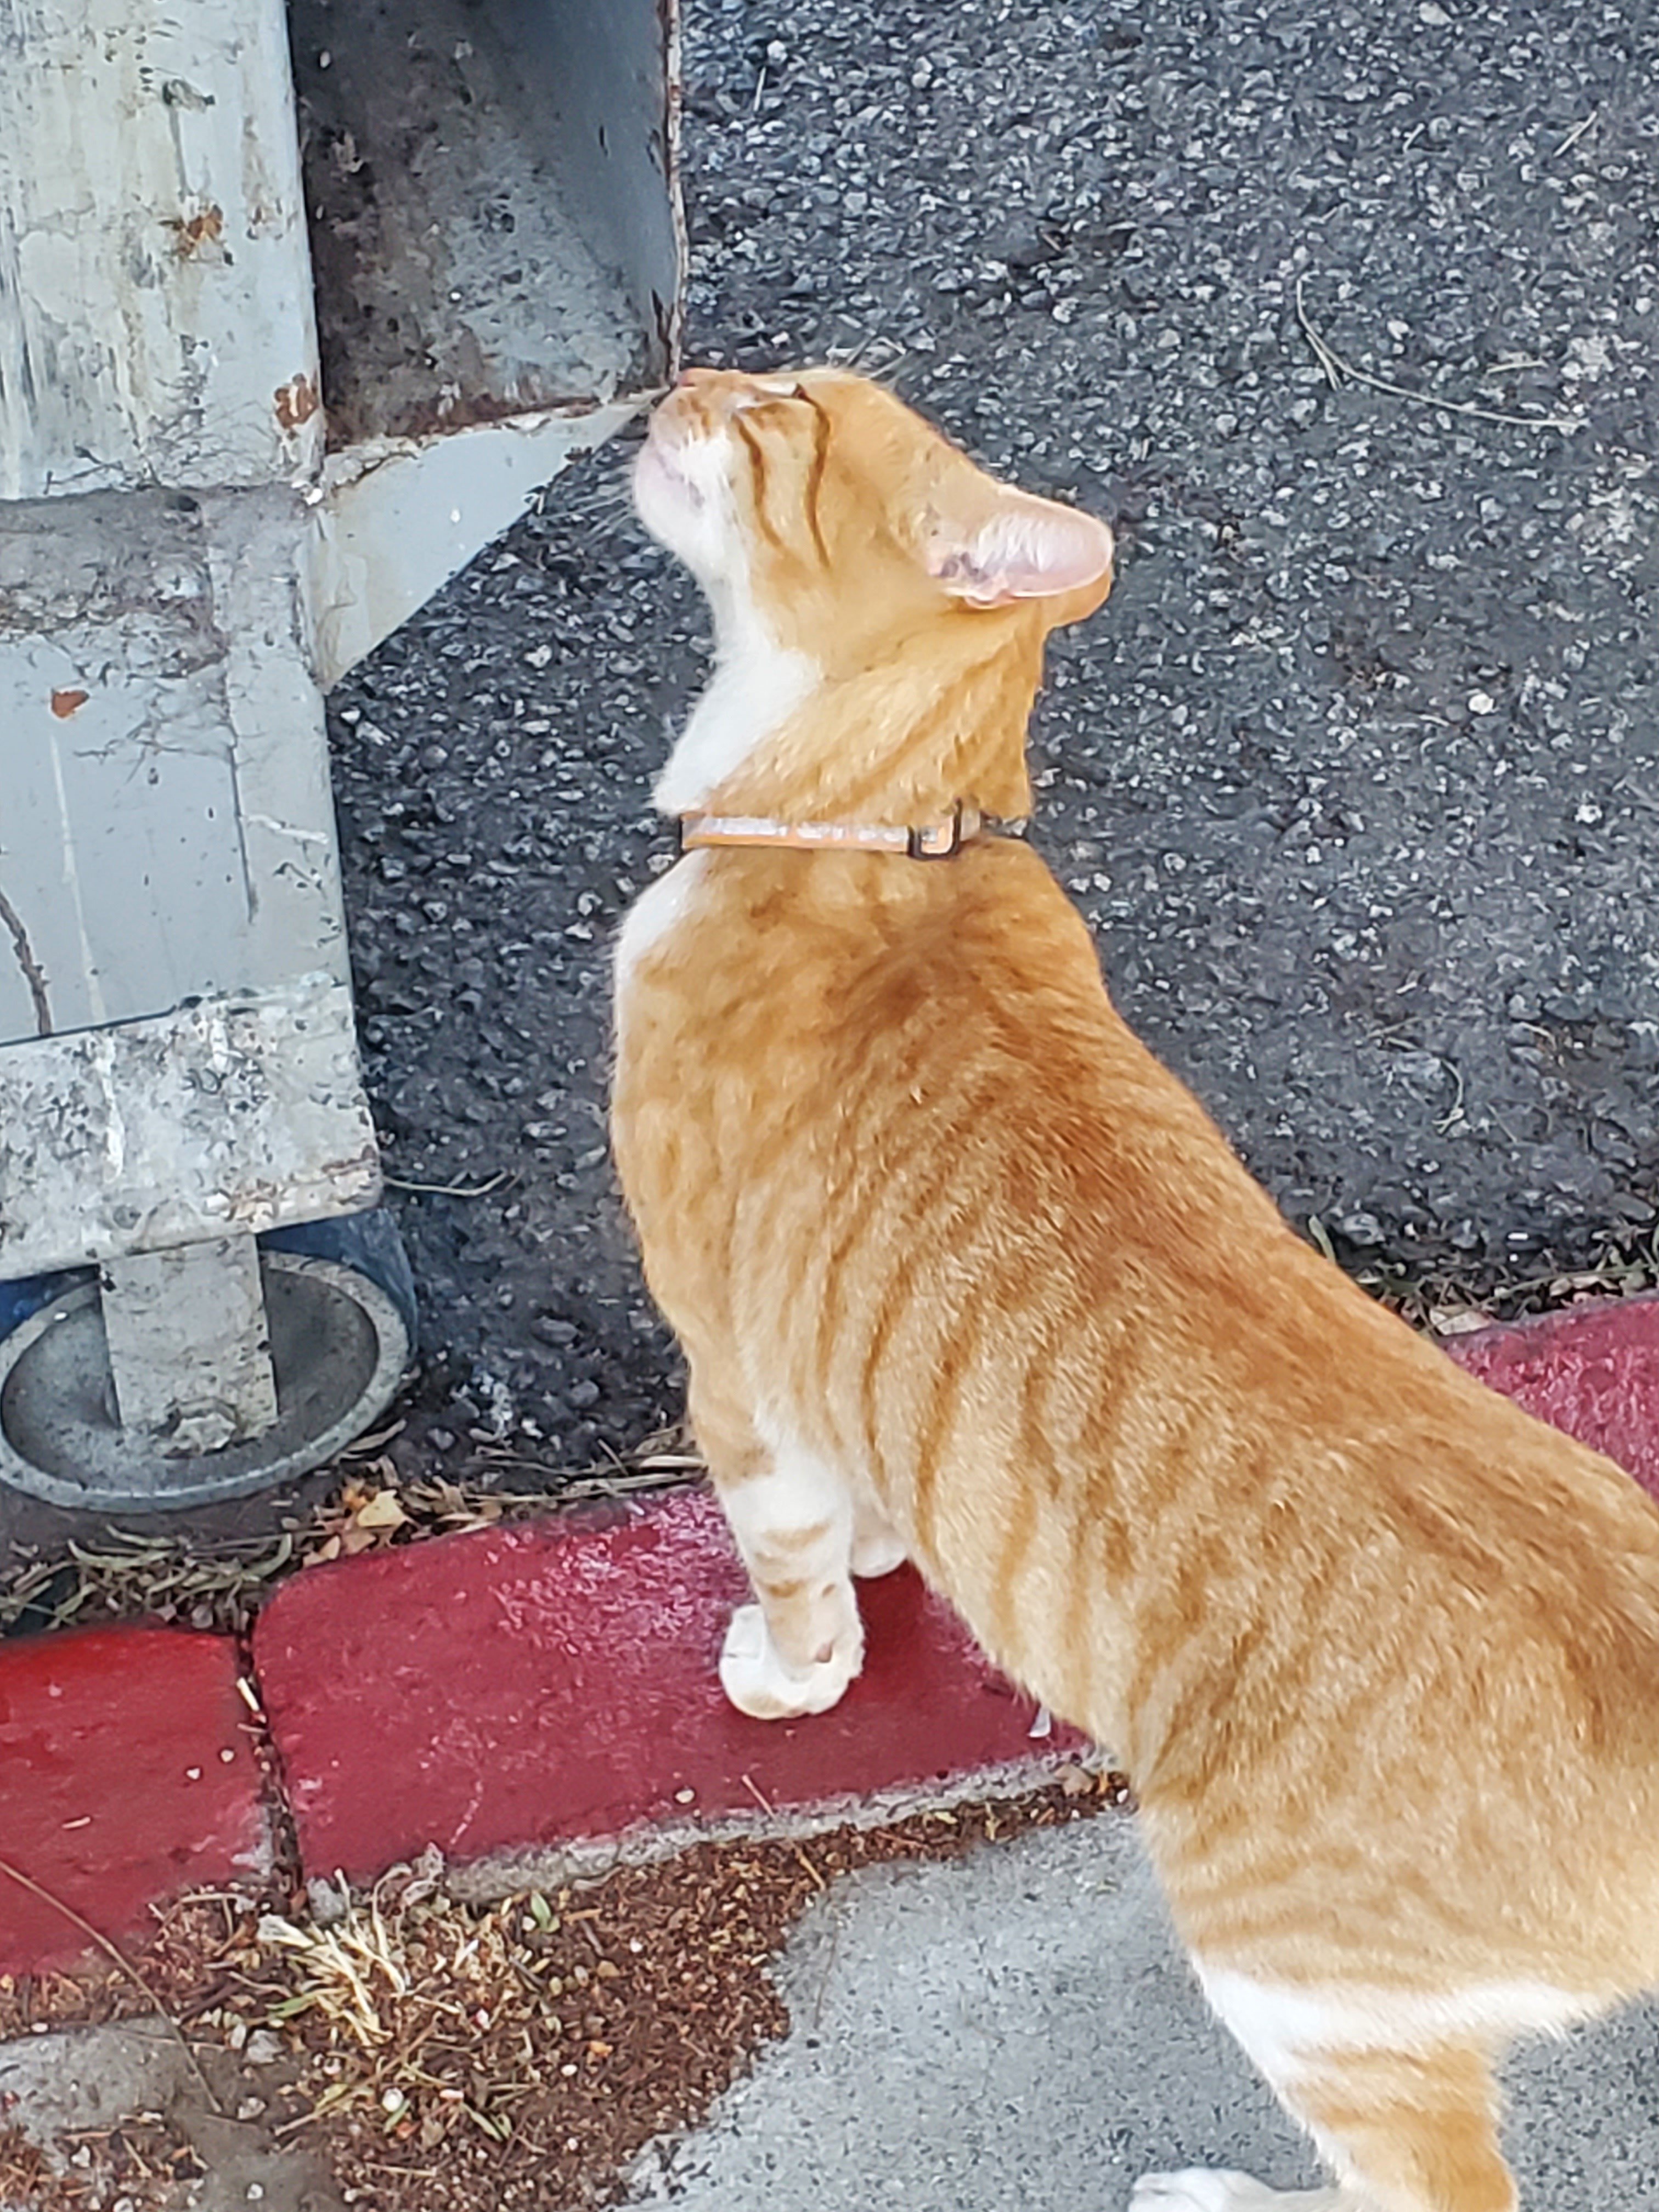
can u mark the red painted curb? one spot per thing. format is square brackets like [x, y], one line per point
[126, 1776]
[545, 1683]
[1591, 1370]
[535, 1685]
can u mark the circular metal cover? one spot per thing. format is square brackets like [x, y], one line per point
[338, 1344]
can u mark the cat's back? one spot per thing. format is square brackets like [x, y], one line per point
[978, 1241]
[799, 969]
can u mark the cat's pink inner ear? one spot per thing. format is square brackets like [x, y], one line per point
[1025, 549]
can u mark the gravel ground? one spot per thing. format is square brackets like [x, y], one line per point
[1355, 776]
[434, 2056]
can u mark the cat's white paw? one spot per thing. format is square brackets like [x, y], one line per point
[877, 1553]
[1201, 2188]
[755, 1678]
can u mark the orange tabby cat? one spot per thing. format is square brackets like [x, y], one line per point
[962, 1273]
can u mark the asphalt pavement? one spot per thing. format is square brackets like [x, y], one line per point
[1347, 316]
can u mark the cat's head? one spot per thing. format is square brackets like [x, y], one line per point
[821, 507]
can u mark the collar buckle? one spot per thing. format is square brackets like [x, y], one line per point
[939, 841]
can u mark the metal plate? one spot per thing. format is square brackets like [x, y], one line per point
[490, 189]
[338, 1346]
[166, 829]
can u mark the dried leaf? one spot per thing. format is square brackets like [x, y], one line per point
[382, 1511]
[1457, 1321]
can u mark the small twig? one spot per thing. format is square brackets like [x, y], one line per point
[760, 1799]
[125, 1965]
[1336, 368]
[1455, 1111]
[770, 1810]
[453, 1189]
[366, 1447]
[655, 1474]
[1576, 133]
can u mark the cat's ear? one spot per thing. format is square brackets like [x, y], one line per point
[1021, 548]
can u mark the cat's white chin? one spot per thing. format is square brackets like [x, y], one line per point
[665, 498]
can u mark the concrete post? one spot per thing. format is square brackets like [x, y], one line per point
[186, 558]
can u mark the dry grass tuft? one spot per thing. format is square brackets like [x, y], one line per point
[200, 1582]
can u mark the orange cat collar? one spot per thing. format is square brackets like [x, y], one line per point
[932, 841]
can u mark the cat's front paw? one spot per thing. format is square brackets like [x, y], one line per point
[1196, 2190]
[756, 1679]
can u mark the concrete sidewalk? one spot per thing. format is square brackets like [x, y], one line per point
[1019, 2029]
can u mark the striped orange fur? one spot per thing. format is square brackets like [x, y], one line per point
[962, 1273]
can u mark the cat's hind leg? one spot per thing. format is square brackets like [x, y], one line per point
[1408, 2131]
[1206, 2190]
[798, 1647]
[878, 1546]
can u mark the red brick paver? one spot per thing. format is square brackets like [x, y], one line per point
[1591, 1370]
[535, 1685]
[127, 1775]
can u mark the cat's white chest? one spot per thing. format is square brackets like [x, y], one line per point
[650, 924]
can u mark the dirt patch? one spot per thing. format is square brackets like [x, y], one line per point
[142, 2162]
[455, 2058]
